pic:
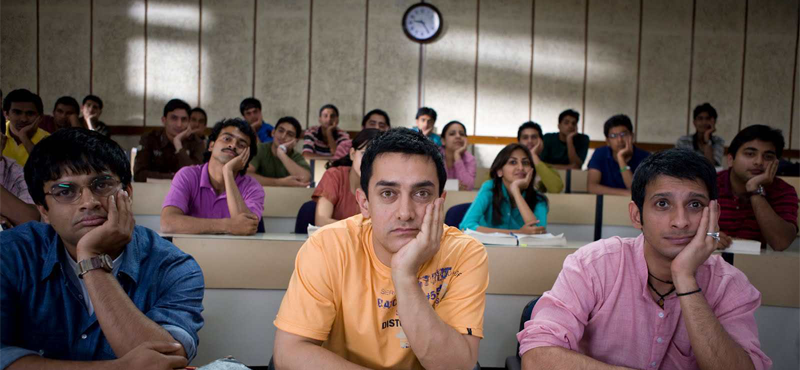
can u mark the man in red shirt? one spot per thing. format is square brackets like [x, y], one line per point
[754, 204]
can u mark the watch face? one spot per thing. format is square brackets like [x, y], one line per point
[422, 22]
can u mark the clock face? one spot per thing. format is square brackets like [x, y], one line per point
[422, 22]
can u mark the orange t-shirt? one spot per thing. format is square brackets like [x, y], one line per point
[341, 294]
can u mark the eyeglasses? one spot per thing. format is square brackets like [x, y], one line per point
[620, 135]
[68, 193]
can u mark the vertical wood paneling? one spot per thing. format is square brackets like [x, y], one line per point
[769, 63]
[226, 70]
[558, 60]
[612, 63]
[504, 60]
[392, 63]
[794, 141]
[282, 48]
[337, 60]
[173, 28]
[64, 57]
[18, 46]
[665, 63]
[118, 61]
[449, 65]
[718, 57]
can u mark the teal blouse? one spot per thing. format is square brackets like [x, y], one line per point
[480, 212]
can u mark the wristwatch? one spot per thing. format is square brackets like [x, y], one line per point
[102, 261]
[759, 191]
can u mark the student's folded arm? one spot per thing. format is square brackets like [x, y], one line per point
[550, 178]
[778, 232]
[559, 319]
[477, 209]
[295, 169]
[324, 213]
[466, 171]
[35, 362]
[594, 186]
[15, 210]
[175, 221]
[263, 180]
[294, 352]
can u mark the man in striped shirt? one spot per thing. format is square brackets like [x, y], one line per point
[754, 203]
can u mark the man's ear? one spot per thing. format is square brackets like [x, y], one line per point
[129, 189]
[363, 202]
[444, 195]
[164, 120]
[43, 212]
[636, 215]
[730, 160]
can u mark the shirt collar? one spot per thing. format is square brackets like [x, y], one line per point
[205, 180]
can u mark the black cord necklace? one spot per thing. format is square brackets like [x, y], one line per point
[661, 298]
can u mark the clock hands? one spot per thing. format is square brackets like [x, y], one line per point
[423, 25]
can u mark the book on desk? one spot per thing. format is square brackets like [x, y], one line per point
[519, 240]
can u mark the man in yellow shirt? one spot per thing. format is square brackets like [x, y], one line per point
[393, 287]
[24, 111]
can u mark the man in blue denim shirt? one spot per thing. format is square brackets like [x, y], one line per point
[89, 285]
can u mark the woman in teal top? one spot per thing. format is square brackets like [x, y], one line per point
[509, 201]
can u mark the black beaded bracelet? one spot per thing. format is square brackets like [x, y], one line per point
[687, 293]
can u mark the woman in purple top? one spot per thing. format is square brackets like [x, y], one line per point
[459, 163]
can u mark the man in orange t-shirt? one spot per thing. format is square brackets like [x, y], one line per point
[393, 287]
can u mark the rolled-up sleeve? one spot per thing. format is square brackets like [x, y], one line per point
[180, 306]
[561, 314]
[10, 354]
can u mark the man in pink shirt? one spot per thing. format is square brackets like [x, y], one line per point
[217, 197]
[658, 301]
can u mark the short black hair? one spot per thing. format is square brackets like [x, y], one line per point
[248, 103]
[329, 106]
[405, 141]
[200, 110]
[707, 108]
[22, 96]
[529, 125]
[758, 132]
[244, 127]
[425, 111]
[376, 111]
[75, 150]
[617, 120]
[95, 99]
[68, 101]
[569, 112]
[176, 104]
[677, 163]
[292, 121]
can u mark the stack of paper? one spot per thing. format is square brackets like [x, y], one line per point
[744, 246]
[522, 240]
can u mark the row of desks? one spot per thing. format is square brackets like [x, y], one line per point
[266, 261]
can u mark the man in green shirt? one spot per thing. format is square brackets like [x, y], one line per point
[277, 163]
[567, 148]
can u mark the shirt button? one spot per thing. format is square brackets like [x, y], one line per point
[80, 296]
[661, 315]
[41, 352]
[84, 336]
[653, 364]
[659, 340]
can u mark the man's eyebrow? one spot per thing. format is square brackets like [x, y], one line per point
[669, 195]
[698, 195]
[423, 184]
[391, 184]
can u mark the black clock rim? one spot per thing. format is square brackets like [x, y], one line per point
[415, 39]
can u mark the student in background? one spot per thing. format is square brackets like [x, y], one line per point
[392, 288]
[335, 193]
[376, 119]
[567, 148]
[755, 204]
[91, 111]
[217, 197]
[250, 109]
[529, 135]
[459, 163]
[65, 114]
[426, 124]
[612, 166]
[198, 121]
[278, 163]
[657, 301]
[509, 202]
[703, 141]
[167, 150]
[24, 112]
[87, 284]
[17, 205]
[324, 139]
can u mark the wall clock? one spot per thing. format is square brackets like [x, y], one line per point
[422, 22]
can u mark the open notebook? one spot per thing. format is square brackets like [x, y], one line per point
[522, 240]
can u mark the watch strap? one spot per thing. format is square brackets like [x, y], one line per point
[102, 261]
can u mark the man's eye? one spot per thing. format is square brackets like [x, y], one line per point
[387, 193]
[423, 193]
[65, 192]
[696, 205]
[662, 204]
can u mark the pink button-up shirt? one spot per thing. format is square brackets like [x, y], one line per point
[601, 306]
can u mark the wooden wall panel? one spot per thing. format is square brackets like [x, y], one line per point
[18, 46]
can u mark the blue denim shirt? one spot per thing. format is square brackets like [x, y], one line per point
[264, 134]
[43, 312]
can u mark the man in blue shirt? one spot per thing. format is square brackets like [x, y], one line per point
[88, 284]
[250, 108]
[611, 167]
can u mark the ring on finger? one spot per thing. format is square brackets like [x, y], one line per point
[714, 235]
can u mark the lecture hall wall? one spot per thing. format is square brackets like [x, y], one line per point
[497, 64]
